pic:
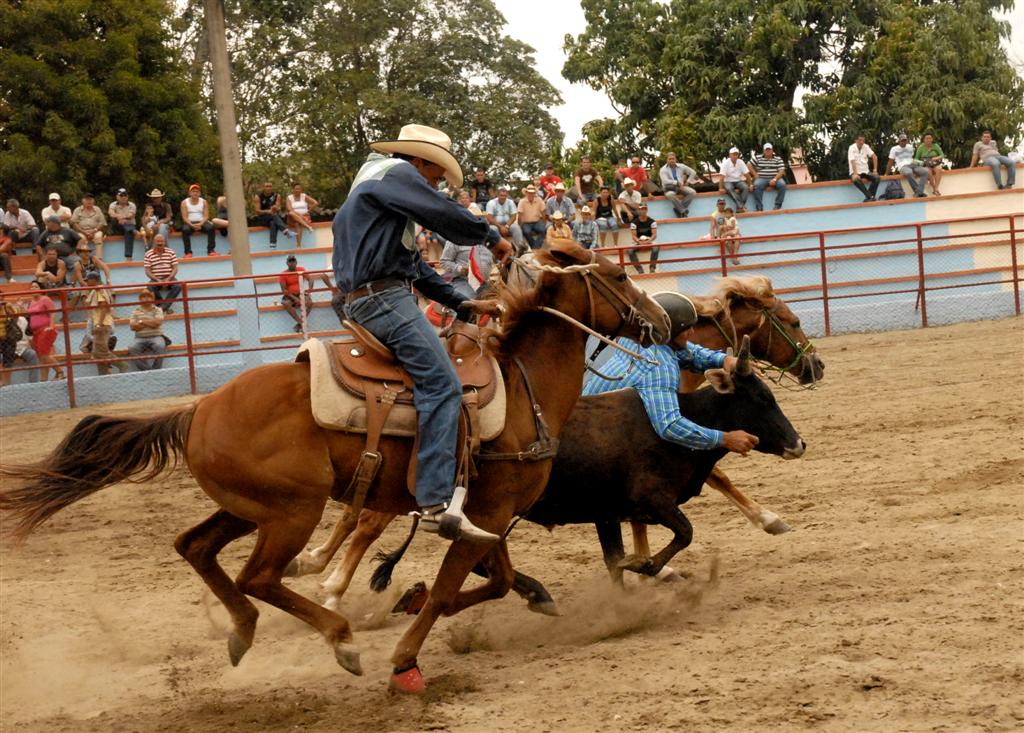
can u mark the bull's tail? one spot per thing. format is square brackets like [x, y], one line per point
[98, 452]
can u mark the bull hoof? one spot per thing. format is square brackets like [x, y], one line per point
[348, 657]
[548, 608]
[637, 564]
[409, 682]
[237, 647]
[777, 526]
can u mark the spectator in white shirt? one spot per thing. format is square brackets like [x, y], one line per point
[986, 152]
[901, 158]
[674, 179]
[860, 155]
[501, 213]
[56, 209]
[735, 181]
[18, 224]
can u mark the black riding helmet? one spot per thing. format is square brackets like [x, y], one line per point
[681, 312]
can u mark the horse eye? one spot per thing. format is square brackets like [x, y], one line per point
[796, 323]
[622, 277]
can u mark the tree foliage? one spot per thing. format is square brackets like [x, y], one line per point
[92, 98]
[700, 76]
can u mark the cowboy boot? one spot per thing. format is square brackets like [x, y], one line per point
[448, 521]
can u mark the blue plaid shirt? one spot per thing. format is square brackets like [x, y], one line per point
[658, 386]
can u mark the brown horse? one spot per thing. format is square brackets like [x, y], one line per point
[740, 307]
[272, 471]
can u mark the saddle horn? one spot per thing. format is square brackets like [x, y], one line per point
[743, 367]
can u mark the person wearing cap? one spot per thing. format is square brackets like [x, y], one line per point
[532, 217]
[586, 183]
[161, 267]
[986, 152]
[656, 379]
[644, 231]
[675, 179]
[88, 220]
[55, 208]
[292, 295]
[860, 155]
[481, 190]
[606, 214]
[147, 323]
[560, 202]
[558, 227]
[548, 180]
[122, 221]
[501, 213]
[901, 160]
[629, 202]
[99, 301]
[163, 212]
[64, 240]
[735, 180]
[585, 230]
[376, 263]
[86, 264]
[718, 217]
[195, 219]
[770, 173]
[18, 224]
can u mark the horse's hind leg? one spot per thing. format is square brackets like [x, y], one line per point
[371, 526]
[200, 546]
[314, 561]
[276, 545]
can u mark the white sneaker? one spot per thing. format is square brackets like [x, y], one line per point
[450, 523]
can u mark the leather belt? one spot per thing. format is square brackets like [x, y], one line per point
[377, 286]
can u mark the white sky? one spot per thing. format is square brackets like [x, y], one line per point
[544, 23]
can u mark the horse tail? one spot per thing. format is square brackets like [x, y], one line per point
[381, 577]
[98, 452]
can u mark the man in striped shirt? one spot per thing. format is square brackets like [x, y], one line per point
[771, 173]
[161, 269]
[657, 384]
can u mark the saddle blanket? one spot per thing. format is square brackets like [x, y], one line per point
[334, 408]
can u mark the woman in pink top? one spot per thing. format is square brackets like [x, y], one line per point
[42, 320]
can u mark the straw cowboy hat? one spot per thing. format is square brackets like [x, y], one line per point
[420, 141]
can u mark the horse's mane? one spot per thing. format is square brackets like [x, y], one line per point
[757, 288]
[518, 300]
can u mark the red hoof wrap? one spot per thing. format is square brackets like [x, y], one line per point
[410, 682]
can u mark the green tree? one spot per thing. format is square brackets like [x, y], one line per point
[92, 99]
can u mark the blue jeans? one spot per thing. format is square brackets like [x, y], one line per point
[274, 222]
[918, 177]
[995, 162]
[147, 345]
[394, 318]
[534, 232]
[737, 191]
[129, 236]
[759, 188]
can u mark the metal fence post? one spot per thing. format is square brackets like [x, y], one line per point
[65, 318]
[920, 276]
[188, 338]
[721, 255]
[824, 283]
[1013, 264]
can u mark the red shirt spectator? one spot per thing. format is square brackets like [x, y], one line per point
[549, 179]
[289, 280]
[635, 171]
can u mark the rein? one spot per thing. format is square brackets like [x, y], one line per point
[541, 449]
[765, 366]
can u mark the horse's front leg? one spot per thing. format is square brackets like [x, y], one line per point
[371, 526]
[760, 517]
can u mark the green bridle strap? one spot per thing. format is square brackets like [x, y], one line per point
[799, 351]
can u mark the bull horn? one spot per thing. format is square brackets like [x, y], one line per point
[743, 367]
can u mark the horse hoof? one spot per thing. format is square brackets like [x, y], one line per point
[348, 657]
[777, 526]
[237, 647]
[409, 682]
[548, 608]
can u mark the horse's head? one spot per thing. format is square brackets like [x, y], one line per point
[593, 290]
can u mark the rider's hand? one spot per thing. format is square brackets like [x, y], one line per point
[483, 307]
[502, 250]
[739, 441]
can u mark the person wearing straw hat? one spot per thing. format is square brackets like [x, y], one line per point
[376, 263]
[162, 211]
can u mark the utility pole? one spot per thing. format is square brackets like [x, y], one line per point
[227, 130]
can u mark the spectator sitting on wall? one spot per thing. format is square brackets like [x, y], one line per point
[718, 217]
[501, 213]
[56, 209]
[481, 190]
[292, 296]
[931, 155]
[901, 159]
[195, 219]
[63, 239]
[771, 174]
[586, 183]
[986, 152]
[675, 178]
[548, 181]
[101, 315]
[149, 225]
[42, 320]
[561, 202]
[629, 202]
[606, 213]
[268, 212]
[163, 212]
[221, 220]
[585, 231]
[532, 215]
[148, 324]
[643, 230]
[87, 263]
[89, 221]
[300, 208]
[729, 233]
[735, 182]
[641, 180]
[122, 221]
[559, 228]
[18, 224]
[860, 155]
[51, 272]
[162, 268]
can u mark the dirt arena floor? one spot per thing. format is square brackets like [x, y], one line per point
[894, 605]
